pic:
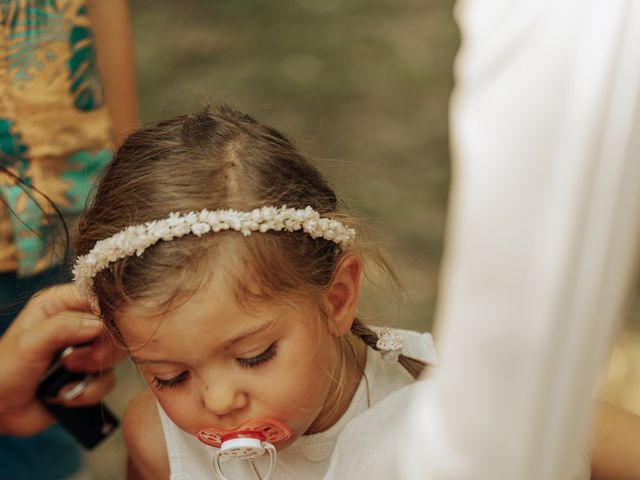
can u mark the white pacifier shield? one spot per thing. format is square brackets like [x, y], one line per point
[244, 448]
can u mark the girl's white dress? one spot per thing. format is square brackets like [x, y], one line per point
[310, 455]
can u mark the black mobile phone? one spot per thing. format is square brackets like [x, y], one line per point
[89, 424]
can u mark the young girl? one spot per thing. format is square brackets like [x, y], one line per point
[220, 257]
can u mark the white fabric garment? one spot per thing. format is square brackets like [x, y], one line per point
[365, 446]
[307, 458]
[541, 242]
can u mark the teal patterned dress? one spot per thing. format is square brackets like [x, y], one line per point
[55, 137]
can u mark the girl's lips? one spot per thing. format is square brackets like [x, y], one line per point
[268, 429]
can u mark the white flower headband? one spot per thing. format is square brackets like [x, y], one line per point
[135, 239]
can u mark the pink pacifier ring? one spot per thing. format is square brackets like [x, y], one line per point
[272, 431]
[250, 440]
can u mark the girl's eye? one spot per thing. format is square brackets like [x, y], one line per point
[265, 356]
[159, 383]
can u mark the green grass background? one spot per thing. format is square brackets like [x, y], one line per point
[362, 86]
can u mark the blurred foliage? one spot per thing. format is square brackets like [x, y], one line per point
[362, 86]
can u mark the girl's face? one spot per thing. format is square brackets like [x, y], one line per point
[211, 363]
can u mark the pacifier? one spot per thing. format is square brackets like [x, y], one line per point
[250, 440]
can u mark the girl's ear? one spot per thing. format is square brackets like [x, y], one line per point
[343, 294]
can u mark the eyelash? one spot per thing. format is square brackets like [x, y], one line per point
[263, 357]
[252, 362]
[172, 382]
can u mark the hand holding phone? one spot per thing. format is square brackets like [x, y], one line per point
[52, 320]
[88, 424]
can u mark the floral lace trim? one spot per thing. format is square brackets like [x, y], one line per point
[135, 239]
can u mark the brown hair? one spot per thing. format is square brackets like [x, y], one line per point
[217, 158]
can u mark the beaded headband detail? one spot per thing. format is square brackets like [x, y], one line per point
[135, 239]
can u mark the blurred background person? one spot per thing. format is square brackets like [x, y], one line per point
[67, 94]
[541, 254]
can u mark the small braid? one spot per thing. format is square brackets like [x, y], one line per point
[414, 366]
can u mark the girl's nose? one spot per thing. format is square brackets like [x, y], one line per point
[224, 399]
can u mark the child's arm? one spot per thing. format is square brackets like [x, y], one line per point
[145, 440]
[615, 454]
[114, 49]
